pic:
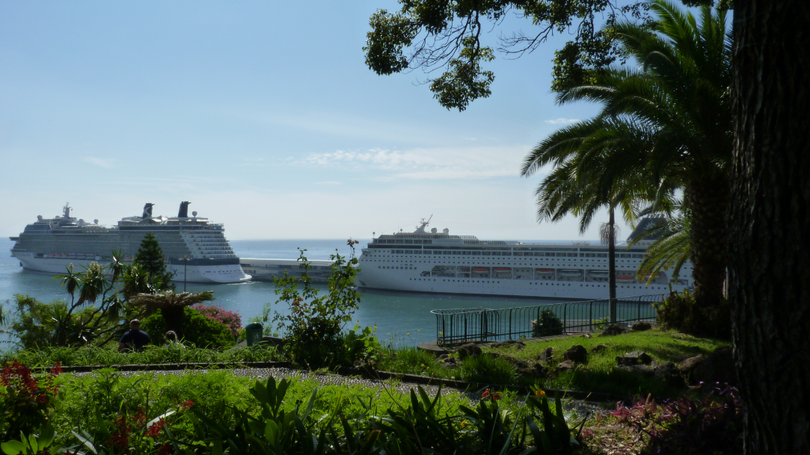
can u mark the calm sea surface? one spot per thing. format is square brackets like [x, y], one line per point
[401, 317]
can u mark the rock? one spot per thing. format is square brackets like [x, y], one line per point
[644, 370]
[598, 348]
[612, 330]
[448, 361]
[640, 326]
[587, 335]
[509, 343]
[577, 353]
[566, 365]
[546, 355]
[718, 367]
[468, 350]
[668, 372]
[687, 366]
[634, 358]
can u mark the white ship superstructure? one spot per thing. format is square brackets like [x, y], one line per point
[422, 261]
[196, 250]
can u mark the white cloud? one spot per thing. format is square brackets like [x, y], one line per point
[563, 121]
[426, 164]
[100, 162]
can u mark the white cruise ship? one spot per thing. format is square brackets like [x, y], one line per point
[196, 250]
[422, 261]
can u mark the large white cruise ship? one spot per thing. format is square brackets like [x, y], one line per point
[196, 250]
[422, 261]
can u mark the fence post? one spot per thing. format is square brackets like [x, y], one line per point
[465, 329]
[590, 316]
[510, 323]
[565, 318]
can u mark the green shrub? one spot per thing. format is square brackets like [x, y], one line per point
[680, 312]
[363, 348]
[313, 324]
[548, 324]
[199, 330]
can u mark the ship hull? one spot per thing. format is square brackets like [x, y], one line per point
[220, 274]
[412, 281]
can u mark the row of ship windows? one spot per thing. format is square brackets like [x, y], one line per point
[454, 262]
[556, 283]
[517, 253]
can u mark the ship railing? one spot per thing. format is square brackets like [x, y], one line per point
[462, 325]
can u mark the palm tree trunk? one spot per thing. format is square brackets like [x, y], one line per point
[612, 265]
[173, 316]
[708, 198]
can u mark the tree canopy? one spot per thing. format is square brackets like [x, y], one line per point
[449, 35]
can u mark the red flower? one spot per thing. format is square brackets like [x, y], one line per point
[154, 430]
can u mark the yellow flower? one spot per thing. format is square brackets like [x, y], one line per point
[539, 393]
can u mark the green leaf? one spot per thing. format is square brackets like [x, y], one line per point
[13, 447]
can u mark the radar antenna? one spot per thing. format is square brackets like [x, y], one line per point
[423, 224]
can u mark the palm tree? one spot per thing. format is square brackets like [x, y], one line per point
[171, 305]
[674, 114]
[584, 181]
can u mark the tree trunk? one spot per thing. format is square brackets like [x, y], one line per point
[612, 265]
[769, 247]
[708, 198]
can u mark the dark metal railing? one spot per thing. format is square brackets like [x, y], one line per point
[485, 324]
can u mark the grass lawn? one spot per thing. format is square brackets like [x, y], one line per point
[599, 373]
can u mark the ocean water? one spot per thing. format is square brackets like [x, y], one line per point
[401, 318]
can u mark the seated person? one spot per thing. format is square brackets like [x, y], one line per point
[171, 339]
[135, 339]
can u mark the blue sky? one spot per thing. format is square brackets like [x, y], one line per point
[265, 117]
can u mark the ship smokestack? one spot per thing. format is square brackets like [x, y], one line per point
[147, 210]
[183, 213]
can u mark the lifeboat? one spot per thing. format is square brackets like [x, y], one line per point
[570, 272]
[625, 278]
[502, 269]
[480, 269]
[544, 270]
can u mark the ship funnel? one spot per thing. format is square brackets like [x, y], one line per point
[183, 213]
[147, 210]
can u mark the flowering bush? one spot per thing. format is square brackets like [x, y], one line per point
[708, 425]
[229, 318]
[25, 401]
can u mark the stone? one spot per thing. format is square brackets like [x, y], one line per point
[546, 355]
[640, 326]
[577, 353]
[509, 343]
[566, 365]
[598, 348]
[718, 367]
[668, 372]
[644, 370]
[469, 350]
[448, 361]
[587, 335]
[612, 330]
[634, 358]
[687, 366]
